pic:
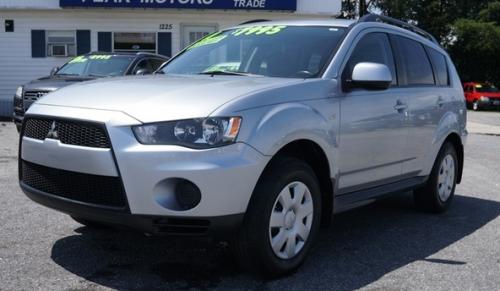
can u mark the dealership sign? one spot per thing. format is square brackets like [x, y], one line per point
[187, 4]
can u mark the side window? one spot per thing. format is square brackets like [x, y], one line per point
[373, 48]
[416, 65]
[440, 67]
[156, 63]
[143, 65]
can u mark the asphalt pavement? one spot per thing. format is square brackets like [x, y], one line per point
[384, 246]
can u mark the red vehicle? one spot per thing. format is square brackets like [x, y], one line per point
[481, 95]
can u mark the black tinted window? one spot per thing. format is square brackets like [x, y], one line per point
[416, 64]
[440, 67]
[143, 65]
[156, 63]
[373, 48]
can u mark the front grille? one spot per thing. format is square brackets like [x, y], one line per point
[71, 132]
[30, 97]
[93, 189]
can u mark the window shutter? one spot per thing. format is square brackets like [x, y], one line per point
[104, 40]
[38, 44]
[82, 42]
[165, 43]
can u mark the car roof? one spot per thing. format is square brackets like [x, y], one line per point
[348, 23]
[136, 54]
[312, 22]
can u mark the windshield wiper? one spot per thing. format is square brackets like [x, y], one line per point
[95, 76]
[228, 73]
[63, 74]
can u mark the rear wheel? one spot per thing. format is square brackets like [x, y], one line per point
[439, 191]
[282, 219]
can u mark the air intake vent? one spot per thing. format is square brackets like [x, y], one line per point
[80, 187]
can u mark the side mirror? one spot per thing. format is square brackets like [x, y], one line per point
[371, 76]
[143, 72]
[54, 71]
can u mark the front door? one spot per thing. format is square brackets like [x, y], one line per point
[372, 131]
[192, 33]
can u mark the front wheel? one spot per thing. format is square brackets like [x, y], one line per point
[437, 194]
[282, 220]
[475, 105]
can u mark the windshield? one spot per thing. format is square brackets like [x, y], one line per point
[273, 51]
[96, 66]
[484, 88]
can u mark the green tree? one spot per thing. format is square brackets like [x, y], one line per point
[491, 14]
[475, 49]
[469, 30]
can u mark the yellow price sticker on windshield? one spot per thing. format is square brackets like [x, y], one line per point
[79, 59]
[83, 59]
[258, 30]
[209, 39]
[100, 57]
[255, 30]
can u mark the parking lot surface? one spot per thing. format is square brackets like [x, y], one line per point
[385, 246]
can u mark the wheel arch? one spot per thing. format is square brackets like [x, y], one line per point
[314, 155]
[456, 141]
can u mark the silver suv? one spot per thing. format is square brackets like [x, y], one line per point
[257, 134]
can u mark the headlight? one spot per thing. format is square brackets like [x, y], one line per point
[19, 92]
[200, 133]
[484, 98]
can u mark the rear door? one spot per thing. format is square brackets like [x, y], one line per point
[424, 74]
[372, 137]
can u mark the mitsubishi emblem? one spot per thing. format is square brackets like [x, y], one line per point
[53, 131]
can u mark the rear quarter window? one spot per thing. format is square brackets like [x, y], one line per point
[440, 67]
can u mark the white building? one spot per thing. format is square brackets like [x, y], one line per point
[162, 26]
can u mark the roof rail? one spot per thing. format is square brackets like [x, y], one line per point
[253, 21]
[399, 23]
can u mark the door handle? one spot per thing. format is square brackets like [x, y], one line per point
[440, 102]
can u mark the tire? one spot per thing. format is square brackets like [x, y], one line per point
[437, 195]
[252, 245]
[475, 106]
[89, 223]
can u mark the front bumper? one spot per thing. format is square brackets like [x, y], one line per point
[226, 176]
[221, 226]
[492, 103]
[17, 118]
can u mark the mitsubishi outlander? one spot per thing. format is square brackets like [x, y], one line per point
[257, 134]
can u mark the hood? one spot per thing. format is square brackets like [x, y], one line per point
[162, 97]
[52, 83]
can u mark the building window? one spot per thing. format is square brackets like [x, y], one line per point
[192, 33]
[61, 43]
[134, 42]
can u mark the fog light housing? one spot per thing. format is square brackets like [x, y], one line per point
[187, 194]
[177, 194]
